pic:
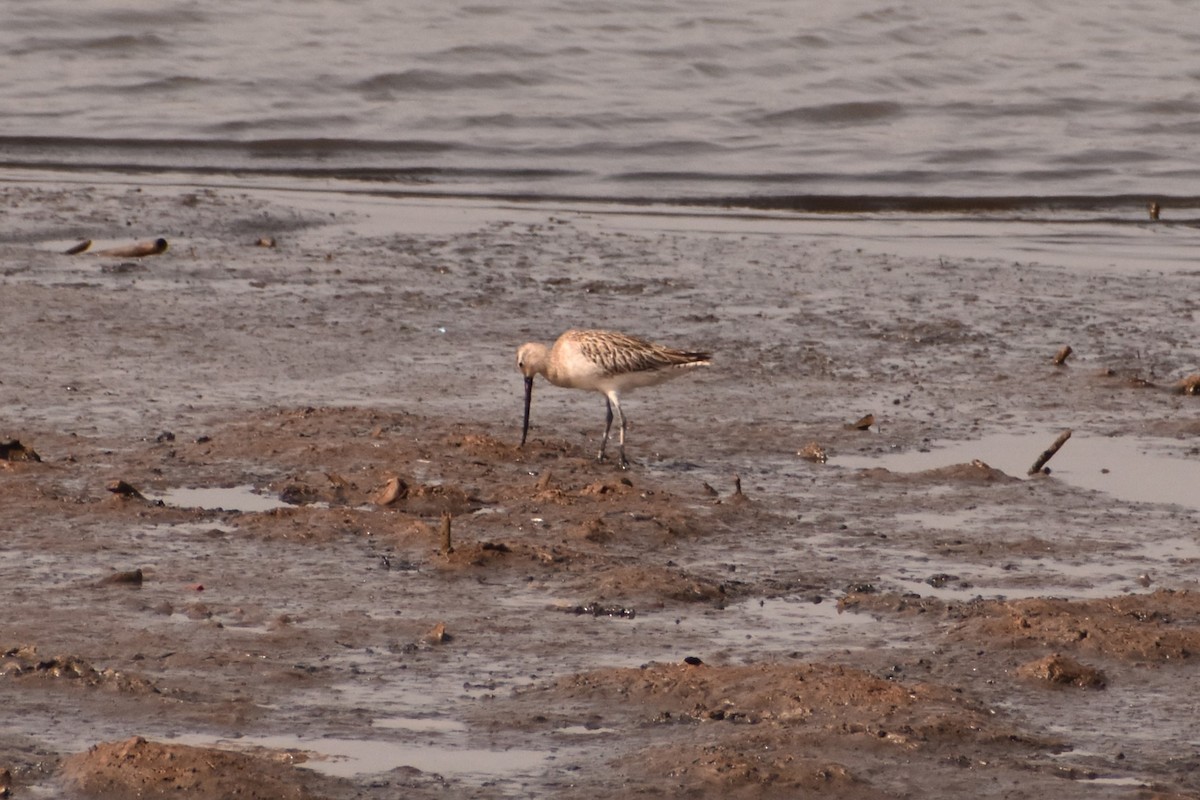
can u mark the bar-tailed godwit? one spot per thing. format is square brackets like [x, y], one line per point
[605, 362]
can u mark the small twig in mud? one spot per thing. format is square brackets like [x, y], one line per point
[447, 548]
[1049, 453]
[737, 486]
[1062, 356]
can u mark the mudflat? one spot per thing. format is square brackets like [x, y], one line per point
[267, 529]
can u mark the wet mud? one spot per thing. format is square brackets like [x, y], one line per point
[267, 529]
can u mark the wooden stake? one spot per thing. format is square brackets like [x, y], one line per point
[447, 548]
[1049, 454]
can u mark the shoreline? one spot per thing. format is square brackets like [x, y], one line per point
[1127, 242]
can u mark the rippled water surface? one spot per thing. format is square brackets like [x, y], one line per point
[1095, 104]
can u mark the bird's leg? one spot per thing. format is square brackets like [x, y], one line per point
[608, 417]
[616, 403]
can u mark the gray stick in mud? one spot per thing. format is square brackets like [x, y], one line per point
[1049, 453]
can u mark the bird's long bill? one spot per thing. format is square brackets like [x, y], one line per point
[528, 400]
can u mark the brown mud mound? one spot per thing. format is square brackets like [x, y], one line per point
[1157, 627]
[1060, 670]
[1162, 626]
[754, 767]
[655, 585]
[137, 768]
[975, 472]
[23, 663]
[783, 730]
[13, 450]
[819, 700]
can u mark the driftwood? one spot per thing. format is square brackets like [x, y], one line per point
[1049, 453]
[1062, 356]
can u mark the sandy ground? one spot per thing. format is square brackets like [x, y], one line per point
[372, 591]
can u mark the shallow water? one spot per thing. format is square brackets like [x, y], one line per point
[352, 757]
[813, 105]
[235, 498]
[1127, 468]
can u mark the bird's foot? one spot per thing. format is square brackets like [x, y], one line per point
[622, 461]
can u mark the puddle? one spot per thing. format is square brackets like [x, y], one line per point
[236, 498]
[1118, 782]
[800, 624]
[419, 724]
[1126, 468]
[583, 730]
[1015, 577]
[1172, 549]
[1135, 716]
[347, 758]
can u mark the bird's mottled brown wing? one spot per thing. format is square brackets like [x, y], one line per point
[620, 353]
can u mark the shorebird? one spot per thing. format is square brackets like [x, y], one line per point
[605, 362]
